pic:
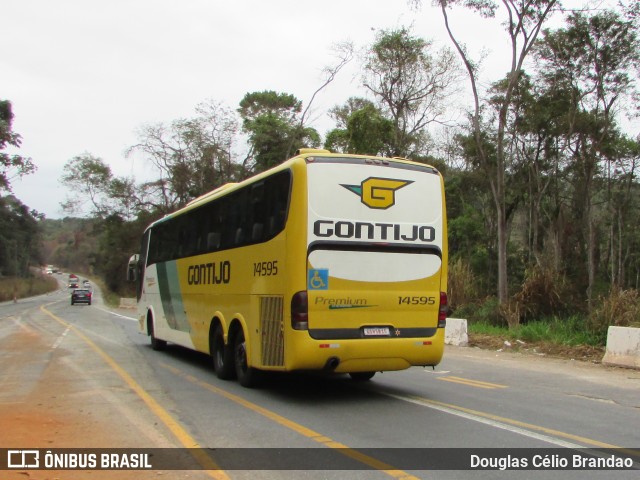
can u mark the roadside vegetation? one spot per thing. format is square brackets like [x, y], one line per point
[547, 319]
[21, 287]
[541, 167]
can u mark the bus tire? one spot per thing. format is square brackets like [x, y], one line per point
[247, 376]
[156, 343]
[361, 376]
[222, 356]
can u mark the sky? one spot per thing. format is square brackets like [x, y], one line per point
[84, 75]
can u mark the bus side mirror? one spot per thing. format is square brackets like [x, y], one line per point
[132, 268]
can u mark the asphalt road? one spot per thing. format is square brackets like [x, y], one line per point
[89, 368]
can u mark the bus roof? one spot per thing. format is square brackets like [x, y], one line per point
[306, 155]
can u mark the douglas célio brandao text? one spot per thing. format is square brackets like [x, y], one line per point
[572, 460]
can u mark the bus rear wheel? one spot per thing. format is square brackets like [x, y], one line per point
[247, 376]
[361, 376]
[156, 343]
[222, 356]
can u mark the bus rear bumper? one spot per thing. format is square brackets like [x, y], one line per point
[364, 355]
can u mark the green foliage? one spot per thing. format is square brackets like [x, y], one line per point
[369, 132]
[485, 311]
[337, 140]
[117, 240]
[88, 178]
[192, 156]
[486, 328]
[568, 331]
[258, 104]
[19, 238]
[69, 243]
[467, 231]
[366, 131]
[272, 121]
[11, 164]
[410, 82]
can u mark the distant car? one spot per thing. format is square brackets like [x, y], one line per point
[86, 283]
[81, 295]
[74, 281]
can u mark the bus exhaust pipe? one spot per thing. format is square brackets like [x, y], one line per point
[332, 364]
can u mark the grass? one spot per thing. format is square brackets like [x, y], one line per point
[567, 338]
[109, 297]
[26, 287]
[571, 331]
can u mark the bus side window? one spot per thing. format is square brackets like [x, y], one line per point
[257, 232]
[213, 241]
[239, 239]
[276, 221]
[191, 238]
[181, 246]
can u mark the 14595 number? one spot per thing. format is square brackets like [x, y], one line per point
[265, 269]
[416, 300]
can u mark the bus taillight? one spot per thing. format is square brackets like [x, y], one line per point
[300, 311]
[443, 310]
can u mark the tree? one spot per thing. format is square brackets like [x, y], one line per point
[276, 123]
[193, 156]
[87, 177]
[623, 202]
[275, 128]
[523, 21]
[92, 183]
[362, 129]
[592, 61]
[11, 165]
[19, 237]
[411, 85]
[116, 240]
[19, 233]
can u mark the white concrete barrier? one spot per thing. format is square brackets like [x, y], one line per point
[128, 303]
[455, 332]
[623, 347]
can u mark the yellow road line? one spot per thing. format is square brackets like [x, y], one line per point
[180, 433]
[471, 383]
[296, 427]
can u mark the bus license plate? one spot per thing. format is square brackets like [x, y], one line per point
[376, 331]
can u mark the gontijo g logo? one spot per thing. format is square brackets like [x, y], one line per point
[379, 193]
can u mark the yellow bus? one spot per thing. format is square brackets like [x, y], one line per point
[327, 262]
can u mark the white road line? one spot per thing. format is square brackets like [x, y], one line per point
[117, 314]
[487, 421]
[59, 340]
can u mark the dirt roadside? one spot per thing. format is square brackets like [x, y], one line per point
[578, 362]
[47, 401]
[583, 353]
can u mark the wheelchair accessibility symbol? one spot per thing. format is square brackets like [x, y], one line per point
[318, 279]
